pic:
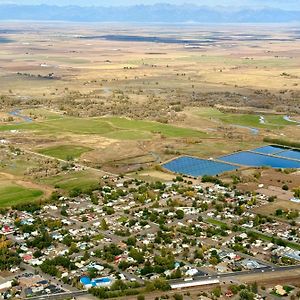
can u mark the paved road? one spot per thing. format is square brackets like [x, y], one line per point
[65, 295]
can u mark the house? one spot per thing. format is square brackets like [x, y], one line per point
[279, 290]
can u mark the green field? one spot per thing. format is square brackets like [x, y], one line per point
[248, 120]
[118, 128]
[154, 127]
[65, 152]
[69, 181]
[14, 194]
[17, 166]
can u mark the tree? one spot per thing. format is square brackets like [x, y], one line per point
[217, 292]
[246, 295]
[297, 193]
[104, 225]
[179, 214]
[285, 187]
[178, 297]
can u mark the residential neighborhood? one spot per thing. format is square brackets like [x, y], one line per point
[126, 236]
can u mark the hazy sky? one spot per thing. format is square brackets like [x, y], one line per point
[285, 4]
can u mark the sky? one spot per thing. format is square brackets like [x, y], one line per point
[283, 4]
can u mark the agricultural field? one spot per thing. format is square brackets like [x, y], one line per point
[64, 152]
[13, 192]
[80, 180]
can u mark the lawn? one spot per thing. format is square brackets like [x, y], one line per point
[13, 194]
[216, 222]
[65, 152]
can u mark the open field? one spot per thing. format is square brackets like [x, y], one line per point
[266, 121]
[65, 152]
[82, 180]
[123, 128]
[13, 191]
[13, 194]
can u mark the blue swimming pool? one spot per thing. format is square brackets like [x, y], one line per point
[268, 150]
[256, 160]
[85, 280]
[198, 167]
[294, 154]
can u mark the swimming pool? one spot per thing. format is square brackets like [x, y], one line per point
[257, 160]
[104, 281]
[198, 167]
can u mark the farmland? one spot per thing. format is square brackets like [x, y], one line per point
[65, 152]
[126, 106]
[13, 192]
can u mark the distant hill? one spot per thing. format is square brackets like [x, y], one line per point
[147, 13]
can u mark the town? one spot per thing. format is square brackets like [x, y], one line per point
[129, 237]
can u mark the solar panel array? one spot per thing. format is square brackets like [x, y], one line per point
[197, 167]
[271, 156]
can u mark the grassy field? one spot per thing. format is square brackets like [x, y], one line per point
[69, 181]
[13, 194]
[248, 120]
[17, 167]
[65, 152]
[118, 128]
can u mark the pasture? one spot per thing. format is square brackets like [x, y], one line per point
[263, 121]
[13, 191]
[65, 152]
[115, 128]
[71, 180]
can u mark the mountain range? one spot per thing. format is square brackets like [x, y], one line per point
[148, 13]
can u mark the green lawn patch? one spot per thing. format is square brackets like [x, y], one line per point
[216, 222]
[66, 152]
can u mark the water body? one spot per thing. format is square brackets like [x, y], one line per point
[197, 167]
[17, 113]
[138, 38]
[287, 118]
[202, 39]
[253, 130]
[4, 40]
[262, 120]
